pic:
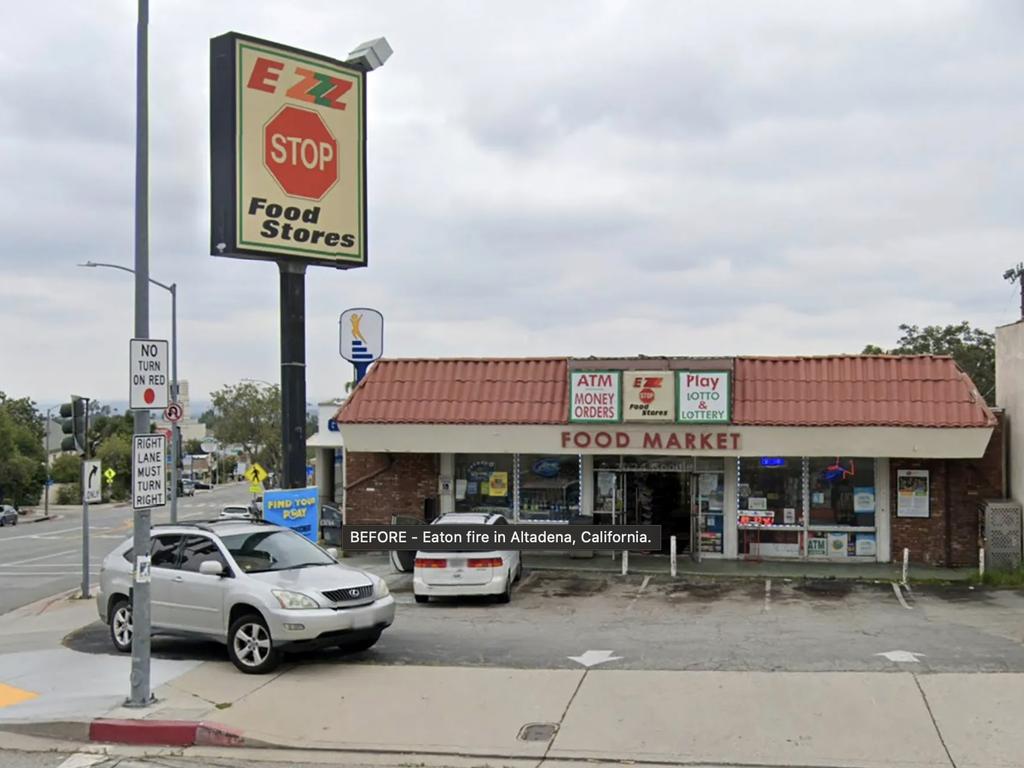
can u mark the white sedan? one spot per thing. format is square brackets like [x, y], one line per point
[439, 574]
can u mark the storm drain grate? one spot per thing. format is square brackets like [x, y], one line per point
[538, 731]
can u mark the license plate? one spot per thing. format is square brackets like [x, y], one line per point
[362, 622]
[457, 563]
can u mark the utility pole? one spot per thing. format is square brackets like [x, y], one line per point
[140, 695]
[46, 490]
[1016, 275]
[175, 432]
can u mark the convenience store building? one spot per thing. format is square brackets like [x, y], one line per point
[825, 458]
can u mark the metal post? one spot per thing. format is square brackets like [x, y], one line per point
[85, 506]
[672, 555]
[981, 562]
[293, 374]
[175, 432]
[46, 488]
[625, 562]
[906, 566]
[140, 685]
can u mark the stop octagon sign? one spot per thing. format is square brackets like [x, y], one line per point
[300, 152]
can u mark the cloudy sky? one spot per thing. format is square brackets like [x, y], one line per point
[545, 178]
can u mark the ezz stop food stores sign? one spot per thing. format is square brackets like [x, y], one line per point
[289, 154]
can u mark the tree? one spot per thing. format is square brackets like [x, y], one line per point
[973, 349]
[209, 418]
[249, 414]
[115, 452]
[66, 468]
[193, 447]
[22, 456]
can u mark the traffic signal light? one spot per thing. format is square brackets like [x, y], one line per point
[75, 424]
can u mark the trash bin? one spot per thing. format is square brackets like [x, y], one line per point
[330, 524]
[404, 561]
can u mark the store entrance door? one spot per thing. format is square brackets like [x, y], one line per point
[660, 498]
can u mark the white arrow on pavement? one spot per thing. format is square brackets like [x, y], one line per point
[907, 656]
[591, 658]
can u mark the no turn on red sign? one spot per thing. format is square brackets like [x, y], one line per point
[149, 374]
[288, 154]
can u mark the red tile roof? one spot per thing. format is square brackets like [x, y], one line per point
[856, 391]
[491, 391]
[911, 391]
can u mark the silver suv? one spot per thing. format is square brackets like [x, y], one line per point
[261, 589]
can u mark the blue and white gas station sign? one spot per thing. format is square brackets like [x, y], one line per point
[298, 509]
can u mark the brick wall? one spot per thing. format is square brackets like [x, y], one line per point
[380, 485]
[956, 488]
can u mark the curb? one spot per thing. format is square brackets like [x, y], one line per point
[164, 733]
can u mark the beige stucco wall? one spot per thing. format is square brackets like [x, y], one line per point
[1010, 393]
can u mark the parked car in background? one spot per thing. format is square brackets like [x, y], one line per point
[201, 485]
[263, 590]
[438, 574]
[188, 488]
[238, 512]
[8, 515]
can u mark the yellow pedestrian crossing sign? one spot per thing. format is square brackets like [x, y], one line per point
[255, 488]
[255, 474]
[109, 474]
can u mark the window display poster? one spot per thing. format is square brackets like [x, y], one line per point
[498, 484]
[605, 483]
[758, 503]
[708, 483]
[864, 499]
[460, 489]
[865, 545]
[838, 543]
[789, 516]
[912, 493]
[817, 546]
[818, 498]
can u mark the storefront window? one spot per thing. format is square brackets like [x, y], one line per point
[483, 482]
[842, 497]
[549, 487]
[771, 509]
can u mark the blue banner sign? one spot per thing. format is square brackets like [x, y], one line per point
[298, 509]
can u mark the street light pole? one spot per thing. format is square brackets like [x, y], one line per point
[175, 432]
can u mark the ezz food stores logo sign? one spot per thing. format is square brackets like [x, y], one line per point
[705, 397]
[595, 396]
[288, 154]
[649, 396]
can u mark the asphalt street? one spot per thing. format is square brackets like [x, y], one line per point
[38, 560]
[646, 624]
[21, 759]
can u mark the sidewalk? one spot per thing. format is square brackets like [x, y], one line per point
[658, 565]
[736, 718]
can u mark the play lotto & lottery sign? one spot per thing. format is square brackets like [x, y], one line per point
[288, 154]
[704, 397]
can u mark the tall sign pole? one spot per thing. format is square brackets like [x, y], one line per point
[141, 695]
[288, 183]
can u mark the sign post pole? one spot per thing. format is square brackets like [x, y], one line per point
[293, 373]
[140, 695]
[84, 485]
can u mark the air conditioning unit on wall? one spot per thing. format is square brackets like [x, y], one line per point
[1001, 534]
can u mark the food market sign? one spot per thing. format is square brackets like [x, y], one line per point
[288, 154]
[595, 396]
[705, 397]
